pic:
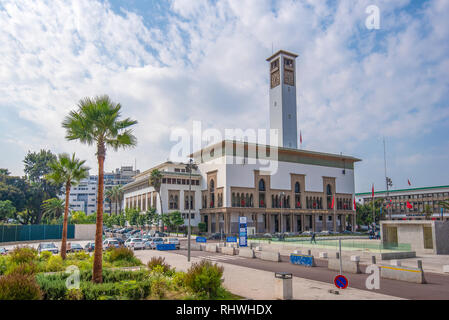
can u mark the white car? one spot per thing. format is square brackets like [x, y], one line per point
[174, 241]
[135, 243]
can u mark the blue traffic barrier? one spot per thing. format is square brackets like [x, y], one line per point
[302, 259]
[165, 246]
[231, 239]
[201, 239]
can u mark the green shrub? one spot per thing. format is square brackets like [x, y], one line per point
[3, 264]
[135, 290]
[53, 286]
[92, 291]
[158, 261]
[21, 268]
[179, 279]
[204, 278]
[74, 294]
[19, 287]
[79, 255]
[159, 286]
[45, 255]
[121, 257]
[55, 263]
[23, 255]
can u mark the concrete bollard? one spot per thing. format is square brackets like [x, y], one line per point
[355, 258]
[373, 259]
[283, 287]
[270, 256]
[323, 255]
[211, 248]
[420, 264]
[258, 248]
[247, 253]
[396, 263]
[446, 269]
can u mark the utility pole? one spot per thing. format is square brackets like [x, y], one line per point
[388, 183]
[190, 166]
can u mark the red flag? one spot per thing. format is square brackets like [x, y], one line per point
[354, 205]
[298, 204]
[332, 206]
[372, 191]
[409, 205]
[300, 137]
[409, 183]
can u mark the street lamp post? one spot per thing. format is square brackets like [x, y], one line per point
[190, 166]
[280, 222]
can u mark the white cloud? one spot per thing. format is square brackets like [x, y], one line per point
[208, 63]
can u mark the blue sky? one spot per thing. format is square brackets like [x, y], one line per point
[173, 62]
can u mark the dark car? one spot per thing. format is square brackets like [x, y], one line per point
[160, 234]
[74, 247]
[121, 242]
[50, 247]
[89, 247]
[216, 236]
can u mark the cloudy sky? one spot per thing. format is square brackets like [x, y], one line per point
[174, 62]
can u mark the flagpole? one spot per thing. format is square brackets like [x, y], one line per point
[374, 217]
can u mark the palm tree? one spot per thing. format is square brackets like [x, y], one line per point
[444, 204]
[117, 195]
[52, 209]
[69, 171]
[97, 122]
[156, 182]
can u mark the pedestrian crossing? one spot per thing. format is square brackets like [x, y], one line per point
[221, 257]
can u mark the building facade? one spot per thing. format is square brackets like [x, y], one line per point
[395, 202]
[299, 190]
[83, 197]
[174, 192]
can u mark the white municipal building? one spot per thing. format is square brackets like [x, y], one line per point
[232, 179]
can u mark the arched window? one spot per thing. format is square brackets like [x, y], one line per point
[297, 195]
[212, 186]
[171, 202]
[176, 202]
[247, 202]
[251, 203]
[261, 185]
[238, 199]
[297, 189]
[233, 199]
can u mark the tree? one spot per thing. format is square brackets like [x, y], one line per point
[176, 220]
[428, 211]
[156, 182]
[80, 217]
[36, 167]
[132, 216]
[7, 210]
[97, 122]
[52, 209]
[69, 171]
[444, 204]
[4, 171]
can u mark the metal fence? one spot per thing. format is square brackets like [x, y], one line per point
[13, 233]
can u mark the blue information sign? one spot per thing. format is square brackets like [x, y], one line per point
[165, 246]
[243, 234]
[201, 239]
[231, 239]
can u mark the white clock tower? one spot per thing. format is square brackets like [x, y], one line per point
[283, 97]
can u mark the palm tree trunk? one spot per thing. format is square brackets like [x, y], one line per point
[162, 213]
[97, 273]
[64, 225]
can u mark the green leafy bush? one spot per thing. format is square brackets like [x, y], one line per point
[55, 263]
[92, 291]
[3, 264]
[23, 255]
[179, 279]
[45, 255]
[121, 257]
[53, 286]
[74, 294]
[21, 268]
[158, 261]
[19, 287]
[204, 278]
[135, 290]
[159, 286]
[79, 255]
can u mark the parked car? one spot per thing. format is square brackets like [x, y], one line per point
[48, 246]
[174, 241]
[306, 233]
[135, 243]
[216, 236]
[151, 243]
[110, 243]
[89, 247]
[121, 242]
[3, 251]
[324, 233]
[160, 234]
[74, 247]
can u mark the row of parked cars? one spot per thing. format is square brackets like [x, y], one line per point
[137, 239]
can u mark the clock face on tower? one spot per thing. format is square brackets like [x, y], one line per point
[289, 78]
[275, 79]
